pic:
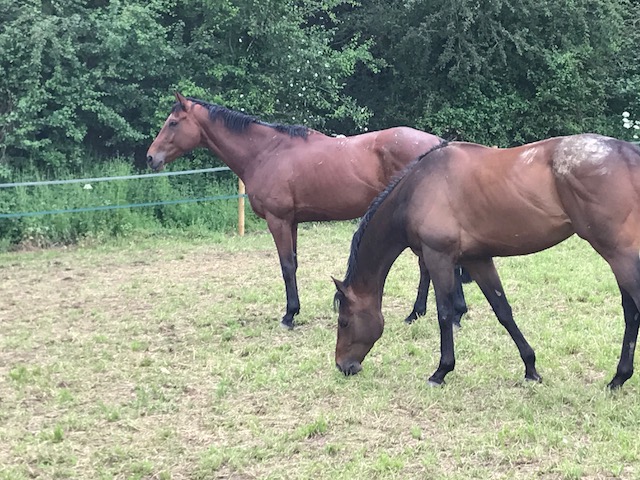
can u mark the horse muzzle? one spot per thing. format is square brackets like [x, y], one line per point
[154, 163]
[350, 368]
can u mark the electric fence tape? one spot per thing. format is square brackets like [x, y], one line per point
[114, 207]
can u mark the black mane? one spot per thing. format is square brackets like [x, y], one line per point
[371, 211]
[238, 122]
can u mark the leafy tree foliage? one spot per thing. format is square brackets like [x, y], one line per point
[82, 80]
[93, 78]
[273, 58]
[501, 72]
[77, 78]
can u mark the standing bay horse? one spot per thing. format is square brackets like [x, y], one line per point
[464, 204]
[294, 174]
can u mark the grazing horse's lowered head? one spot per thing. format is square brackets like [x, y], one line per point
[360, 321]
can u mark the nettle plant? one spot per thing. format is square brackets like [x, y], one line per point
[629, 123]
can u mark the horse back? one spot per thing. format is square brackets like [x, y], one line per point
[478, 201]
[334, 178]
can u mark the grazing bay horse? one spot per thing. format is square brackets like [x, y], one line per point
[464, 204]
[294, 174]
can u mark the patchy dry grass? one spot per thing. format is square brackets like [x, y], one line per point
[164, 359]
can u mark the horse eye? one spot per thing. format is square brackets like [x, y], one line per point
[342, 322]
[173, 123]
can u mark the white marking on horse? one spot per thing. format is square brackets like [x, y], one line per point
[498, 293]
[529, 154]
[578, 150]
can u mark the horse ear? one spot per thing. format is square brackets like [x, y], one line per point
[182, 101]
[340, 286]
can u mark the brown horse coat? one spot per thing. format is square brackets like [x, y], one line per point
[465, 203]
[292, 174]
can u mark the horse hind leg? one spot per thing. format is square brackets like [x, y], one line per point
[628, 277]
[625, 364]
[459, 302]
[486, 276]
[420, 305]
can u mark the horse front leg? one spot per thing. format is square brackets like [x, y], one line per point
[486, 276]
[285, 237]
[441, 269]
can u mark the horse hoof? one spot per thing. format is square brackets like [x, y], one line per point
[433, 384]
[533, 379]
[413, 316]
[287, 325]
[613, 385]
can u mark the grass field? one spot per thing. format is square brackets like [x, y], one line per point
[162, 358]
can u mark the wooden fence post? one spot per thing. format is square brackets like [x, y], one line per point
[240, 208]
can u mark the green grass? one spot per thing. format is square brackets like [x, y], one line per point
[162, 357]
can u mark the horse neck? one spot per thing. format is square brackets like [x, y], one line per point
[379, 248]
[240, 151]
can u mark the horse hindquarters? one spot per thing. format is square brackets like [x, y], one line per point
[602, 198]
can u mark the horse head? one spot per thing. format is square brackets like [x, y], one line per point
[179, 134]
[360, 325]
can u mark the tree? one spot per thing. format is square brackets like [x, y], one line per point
[271, 58]
[502, 72]
[87, 79]
[72, 81]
